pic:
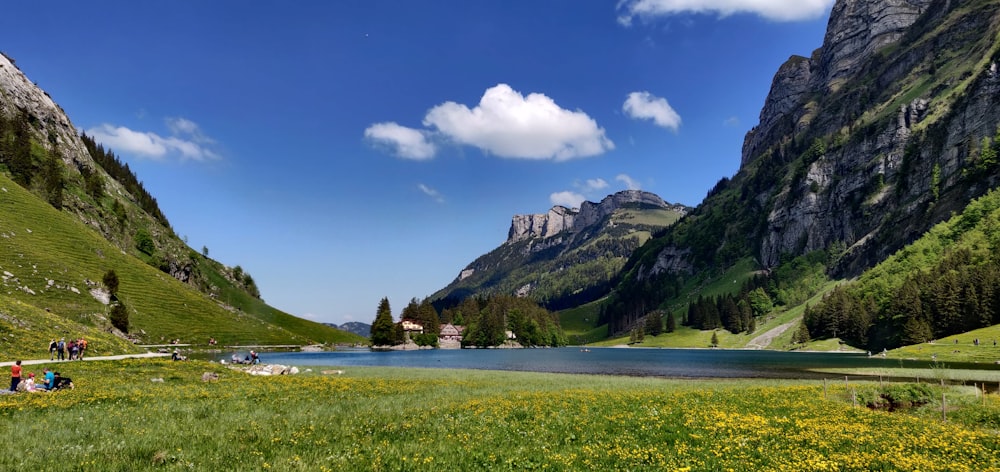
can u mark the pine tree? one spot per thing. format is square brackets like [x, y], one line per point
[671, 322]
[111, 281]
[382, 331]
[715, 339]
[801, 335]
[654, 323]
[119, 316]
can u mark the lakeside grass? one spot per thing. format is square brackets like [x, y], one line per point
[436, 419]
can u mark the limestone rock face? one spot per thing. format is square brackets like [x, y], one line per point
[19, 93]
[560, 219]
[856, 31]
[557, 219]
[859, 28]
[887, 169]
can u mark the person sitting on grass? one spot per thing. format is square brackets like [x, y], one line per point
[61, 382]
[28, 384]
[49, 380]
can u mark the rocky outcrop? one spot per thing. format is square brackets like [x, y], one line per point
[857, 30]
[560, 219]
[17, 93]
[867, 143]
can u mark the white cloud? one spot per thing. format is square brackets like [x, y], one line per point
[732, 122]
[404, 142]
[629, 182]
[775, 10]
[645, 106]
[567, 199]
[594, 184]
[148, 144]
[430, 192]
[508, 124]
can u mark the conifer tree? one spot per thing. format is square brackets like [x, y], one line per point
[383, 328]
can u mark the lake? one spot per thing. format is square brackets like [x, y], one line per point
[681, 363]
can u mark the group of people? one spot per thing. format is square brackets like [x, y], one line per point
[252, 358]
[50, 380]
[75, 348]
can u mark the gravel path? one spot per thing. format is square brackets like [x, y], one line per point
[764, 340]
[91, 358]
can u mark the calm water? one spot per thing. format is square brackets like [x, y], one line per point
[690, 363]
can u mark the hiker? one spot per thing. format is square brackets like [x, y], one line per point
[72, 349]
[61, 349]
[52, 349]
[82, 344]
[15, 375]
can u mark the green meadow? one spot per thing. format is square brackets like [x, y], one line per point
[160, 415]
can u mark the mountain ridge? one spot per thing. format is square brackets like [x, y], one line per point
[565, 255]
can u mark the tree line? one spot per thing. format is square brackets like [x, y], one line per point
[957, 295]
[943, 284]
[486, 320]
[120, 171]
[28, 162]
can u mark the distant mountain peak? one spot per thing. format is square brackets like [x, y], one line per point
[561, 219]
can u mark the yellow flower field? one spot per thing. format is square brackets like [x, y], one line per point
[390, 419]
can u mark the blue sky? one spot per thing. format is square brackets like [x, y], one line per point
[345, 151]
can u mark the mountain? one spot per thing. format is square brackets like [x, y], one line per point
[71, 212]
[361, 329]
[885, 130]
[566, 256]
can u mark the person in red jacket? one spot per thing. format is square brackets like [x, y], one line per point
[15, 375]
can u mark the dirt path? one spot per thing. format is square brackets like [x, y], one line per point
[93, 358]
[764, 340]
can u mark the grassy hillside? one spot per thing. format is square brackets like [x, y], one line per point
[50, 260]
[25, 331]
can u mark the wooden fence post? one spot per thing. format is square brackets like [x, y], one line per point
[944, 416]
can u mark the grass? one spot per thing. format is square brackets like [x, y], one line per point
[54, 260]
[428, 419]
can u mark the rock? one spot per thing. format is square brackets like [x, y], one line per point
[270, 369]
[101, 295]
[209, 377]
[560, 219]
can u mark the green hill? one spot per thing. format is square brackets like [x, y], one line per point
[70, 212]
[52, 261]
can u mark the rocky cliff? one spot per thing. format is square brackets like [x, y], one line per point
[868, 142]
[560, 218]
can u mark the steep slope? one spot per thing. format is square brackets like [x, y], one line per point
[74, 211]
[566, 256]
[861, 148]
